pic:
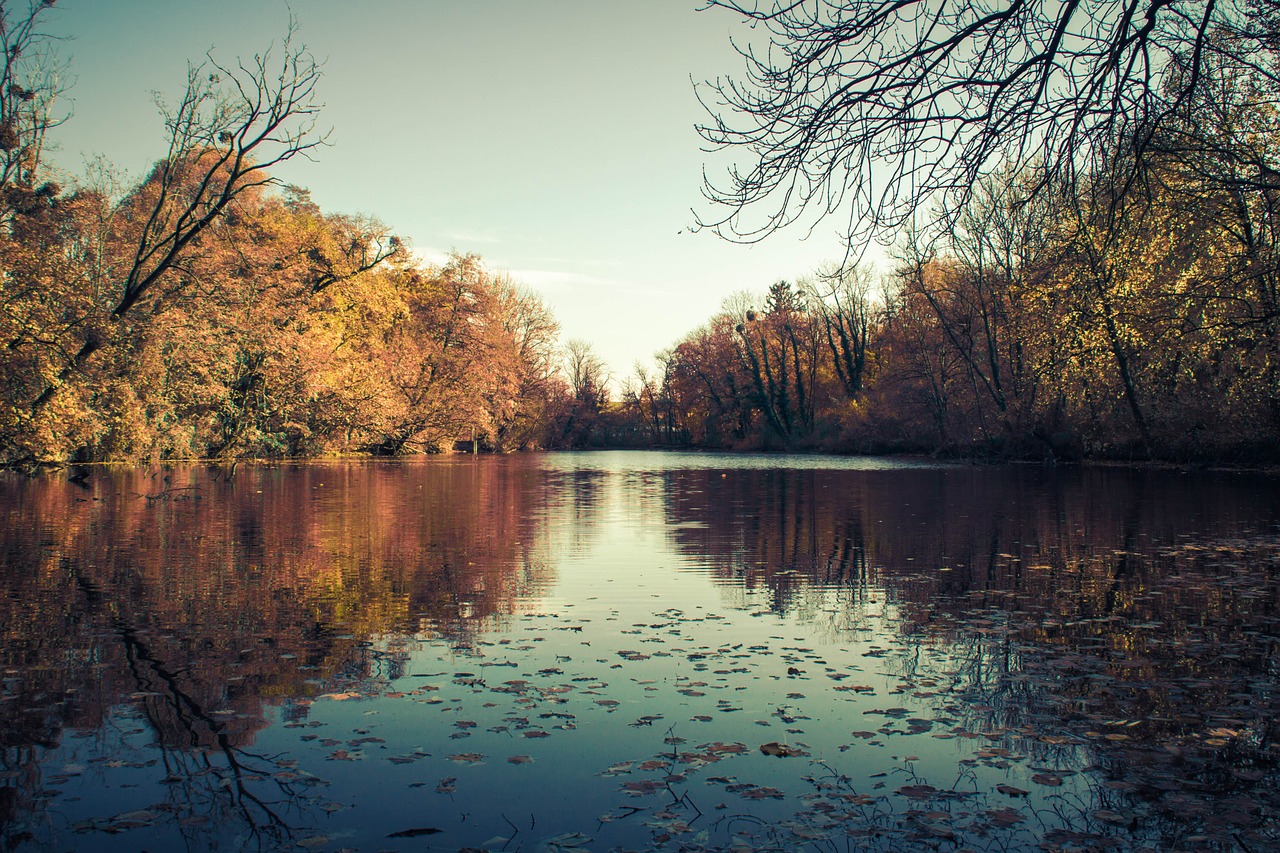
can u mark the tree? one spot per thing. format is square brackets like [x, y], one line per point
[779, 348]
[231, 125]
[647, 400]
[879, 109]
[841, 299]
[918, 383]
[710, 388]
[588, 380]
[533, 336]
[443, 358]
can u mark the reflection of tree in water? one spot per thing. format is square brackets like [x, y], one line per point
[203, 603]
[572, 502]
[1131, 616]
[784, 530]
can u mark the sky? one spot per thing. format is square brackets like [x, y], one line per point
[555, 138]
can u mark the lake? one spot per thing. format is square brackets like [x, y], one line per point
[640, 651]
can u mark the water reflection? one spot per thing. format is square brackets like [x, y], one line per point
[200, 601]
[1101, 641]
[1135, 613]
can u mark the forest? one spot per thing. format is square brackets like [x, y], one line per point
[1127, 307]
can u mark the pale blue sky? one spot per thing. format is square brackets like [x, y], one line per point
[555, 139]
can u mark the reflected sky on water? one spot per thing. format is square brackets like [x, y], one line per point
[603, 651]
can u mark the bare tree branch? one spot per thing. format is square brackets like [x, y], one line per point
[877, 110]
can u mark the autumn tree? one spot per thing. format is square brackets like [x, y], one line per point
[533, 334]
[647, 398]
[711, 390]
[209, 310]
[438, 357]
[1089, 194]
[231, 125]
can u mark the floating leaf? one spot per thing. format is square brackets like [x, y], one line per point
[760, 793]
[637, 787]
[918, 792]
[415, 832]
[1005, 817]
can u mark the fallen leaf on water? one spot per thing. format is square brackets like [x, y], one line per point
[917, 792]
[1011, 791]
[781, 750]
[1005, 817]
[618, 769]
[641, 786]
[415, 832]
[718, 748]
[763, 792]
[140, 817]
[520, 759]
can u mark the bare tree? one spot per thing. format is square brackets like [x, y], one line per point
[878, 109]
[231, 126]
[841, 298]
[778, 348]
[588, 386]
[588, 376]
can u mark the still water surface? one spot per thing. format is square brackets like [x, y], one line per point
[640, 651]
